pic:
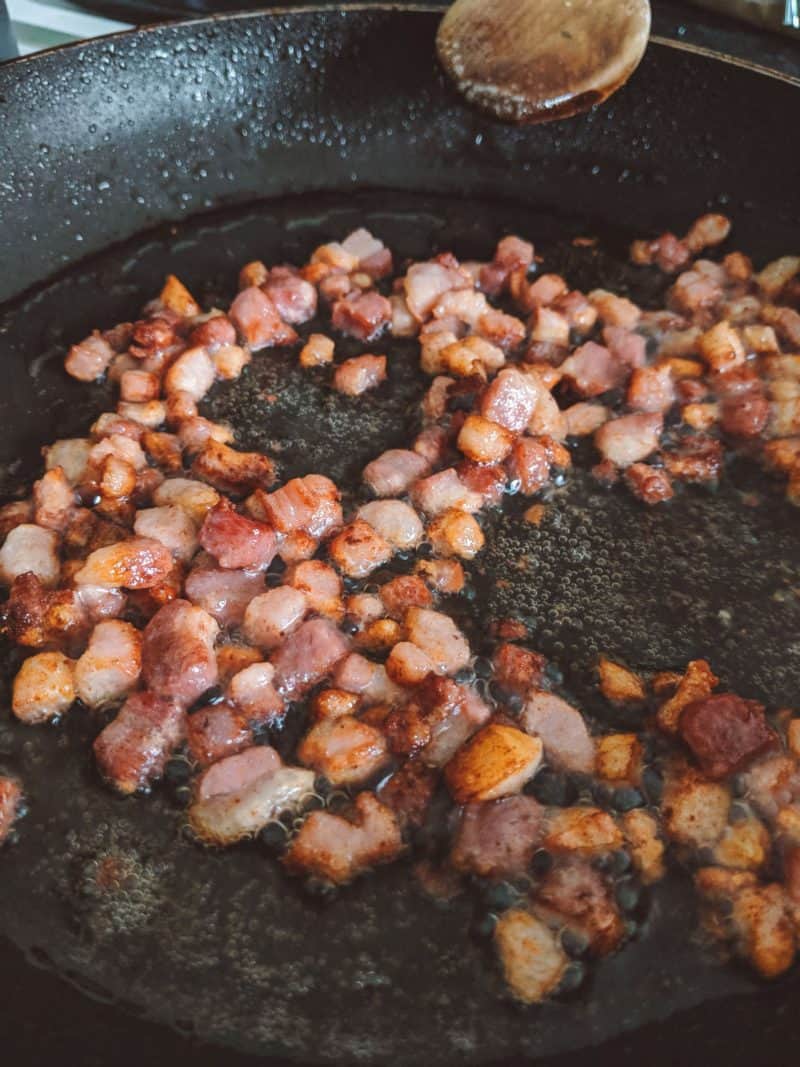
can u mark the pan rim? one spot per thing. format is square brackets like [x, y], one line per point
[365, 6]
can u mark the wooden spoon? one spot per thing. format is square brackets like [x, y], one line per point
[537, 60]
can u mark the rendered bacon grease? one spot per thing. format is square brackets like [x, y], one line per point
[191, 599]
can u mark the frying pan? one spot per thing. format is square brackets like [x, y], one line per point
[148, 151]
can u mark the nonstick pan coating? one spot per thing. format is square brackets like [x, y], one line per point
[183, 119]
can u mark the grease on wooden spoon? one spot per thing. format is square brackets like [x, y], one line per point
[537, 60]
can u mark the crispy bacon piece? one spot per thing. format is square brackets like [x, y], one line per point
[698, 459]
[53, 500]
[346, 751]
[215, 732]
[44, 687]
[725, 733]
[496, 762]
[651, 389]
[257, 320]
[531, 955]
[309, 505]
[592, 370]
[36, 617]
[649, 483]
[235, 540]
[138, 563]
[363, 316]
[178, 652]
[109, 668]
[232, 471]
[308, 656]
[338, 849]
[518, 669]
[359, 549]
[629, 439]
[133, 750]
[359, 374]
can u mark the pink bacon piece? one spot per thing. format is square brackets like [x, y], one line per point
[133, 750]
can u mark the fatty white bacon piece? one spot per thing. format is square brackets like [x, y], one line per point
[53, 500]
[137, 563]
[194, 497]
[242, 793]
[337, 849]
[30, 548]
[531, 955]
[395, 521]
[394, 471]
[358, 549]
[89, 359]
[357, 674]
[359, 374]
[192, 373]
[346, 751]
[425, 284]
[178, 658]
[628, 439]
[224, 594]
[566, 738]
[44, 687]
[71, 454]
[273, 615]
[253, 691]
[133, 749]
[111, 665]
[321, 586]
[257, 320]
[443, 491]
[439, 638]
[172, 526]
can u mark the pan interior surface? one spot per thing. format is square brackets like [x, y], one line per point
[112, 893]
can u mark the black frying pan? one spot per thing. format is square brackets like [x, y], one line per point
[337, 118]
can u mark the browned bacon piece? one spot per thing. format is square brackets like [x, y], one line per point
[178, 652]
[133, 749]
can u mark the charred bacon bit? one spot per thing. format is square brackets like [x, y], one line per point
[725, 733]
[696, 684]
[133, 750]
[337, 849]
[619, 684]
[649, 483]
[232, 471]
[36, 617]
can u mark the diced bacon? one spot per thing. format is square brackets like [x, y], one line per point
[235, 540]
[518, 669]
[629, 439]
[409, 791]
[593, 370]
[575, 894]
[335, 255]
[407, 664]
[133, 750]
[707, 231]
[109, 668]
[171, 526]
[699, 459]
[71, 454]
[192, 373]
[745, 413]
[668, 251]
[272, 616]
[511, 254]
[138, 563]
[230, 774]
[487, 480]
[531, 955]
[53, 500]
[346, 751]
[215, 332]
[308, 656]
[583, 418]
[497, 838]
[549, 327]
[232, 471]
[138, 386]
[257, 320]
[439, 637]
[321, 586]
[456, 533]
[627, 348]
[317, 351]
[425, 283]
[258, 794]
[223, 594]
[563, 730]
[295, 300]
[194, 434]
[216, 732]
[529, 464]
[232, 658]
[649, 483]
[362, 245]
[404, 592]
[336, 286]
[180, 406]
[395, 521]
[195, 498]
[35, 617]
[505, 331]
[484, 441]
[465, 305]
[101, 603]
[442, 491]
[30, 548]
[364, 316]
[403, 322]
[432, 444]
[44, 687]
[495, 763]
[89, 359]
[651, 389]
[178, 652]
[511, 399]
[153, 335]
[309, 504]
[615, 310]
[693, 291]
[544, 291]
[725, 733]
[337, 849]
[785, 321]
[359, 549]
[444, 575]
[777, 274]
[176, 297]
[10, 805]
[297, 546]
[252, 691]
[359, 374]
